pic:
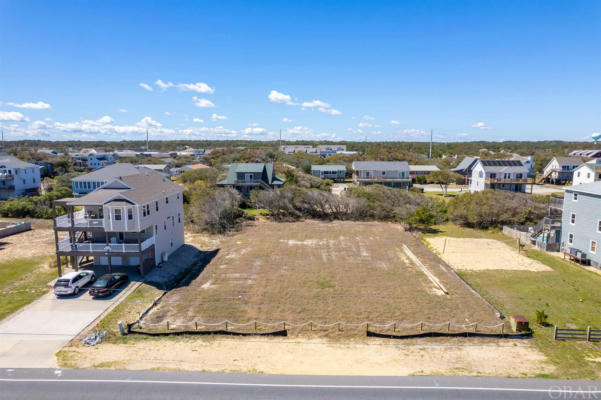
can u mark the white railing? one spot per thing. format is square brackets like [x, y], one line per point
[79, 221]
[88, 247]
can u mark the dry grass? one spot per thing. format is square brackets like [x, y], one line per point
[37, 242]
[324, 272]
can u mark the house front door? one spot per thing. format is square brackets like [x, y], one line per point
[248, 178]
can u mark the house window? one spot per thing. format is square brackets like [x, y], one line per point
[480, 174]
[599, 225]
[578, 174]
[593, 246]
[570, 238]
[493, 175]
[588, 175]
[156, 203]
[178, 196]
[117, 214]
[179, 218]
[166, 200]
[573, 219]
[172, 221]
[130, 214]
[575, 196]
[164, 226]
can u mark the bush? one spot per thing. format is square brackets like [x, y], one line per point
[421, 179]
[542, 318]
[492, 208]
[388, 204]
[208, 175]
[214, 210]
[35, 206]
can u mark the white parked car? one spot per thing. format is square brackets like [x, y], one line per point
[72, 282]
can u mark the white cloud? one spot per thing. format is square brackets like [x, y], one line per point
[203, 103]
[331, 111]
[395, 122]
[123, 110]
[480, 125]
[39, 125]
[12, 116]
[315, 103]
[278, 97]
[415, 132]
[145, 86]
[215, 117]
[364, 125]
[253, 130]
[40, 105]
[198, 120]
[167, 113]
[198, 87]
[286, 120]
[368, 117]
[376, 132]
[163, 85]
[148, 122]
[105, 120]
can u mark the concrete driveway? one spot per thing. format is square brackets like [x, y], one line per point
[30, 337]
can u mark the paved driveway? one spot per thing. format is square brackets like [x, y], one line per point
[30, 337]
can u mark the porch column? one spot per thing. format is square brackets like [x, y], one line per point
[58, 257]
[106, 235]
[141, 255]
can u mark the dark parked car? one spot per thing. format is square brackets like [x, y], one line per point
[108, 284]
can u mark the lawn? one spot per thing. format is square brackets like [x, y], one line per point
[569, 294]
[22, 281]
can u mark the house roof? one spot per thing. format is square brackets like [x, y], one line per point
[593, 188]
[568, 160]
[109, 172]
[154, 167]
[328, 167]
[14, 162]
[431, 168]
[503, 166]
[381, 165]
[257, 168]
[140, 189]
[465, 164]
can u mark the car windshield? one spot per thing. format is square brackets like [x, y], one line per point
[100, 283]
[62, 282]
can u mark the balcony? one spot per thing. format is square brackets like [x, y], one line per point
[80, 220]
[509, 180]
[7, 177]
[556, 202]
[65, 246]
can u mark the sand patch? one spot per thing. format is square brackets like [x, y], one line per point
[314, 356]
[33, 243]
[483, 254]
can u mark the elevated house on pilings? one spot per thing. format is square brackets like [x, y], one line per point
[133, 221]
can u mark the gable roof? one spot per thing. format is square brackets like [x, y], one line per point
[465, 164]
[14, 162]
[328, 167]
[109, 172]
[381, 165]
[265, 169]
[431, 168]
[586, 188]
[140, 188]
[503, 166]
[568, 160]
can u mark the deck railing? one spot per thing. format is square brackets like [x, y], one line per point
[89, 247]
[79, 221]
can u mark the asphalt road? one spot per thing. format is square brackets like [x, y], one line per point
[108, 384]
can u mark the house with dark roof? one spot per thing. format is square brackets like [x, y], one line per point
[560, 170]
[248, 176]
[133, 221]
[334, 172]
[466, 166]
[509, 175]
[387, 173]
[18, 178]
[84, 184]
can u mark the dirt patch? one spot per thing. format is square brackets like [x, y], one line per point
[34, 243]
[322, 272]
[314, 356]
[483, 254]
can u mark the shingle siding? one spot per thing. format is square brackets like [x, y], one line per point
[585, 228]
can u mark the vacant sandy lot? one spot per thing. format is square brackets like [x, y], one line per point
[34, 243]
[482, 254]
[314, 356]
[323, 272]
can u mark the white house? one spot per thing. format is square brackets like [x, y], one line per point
[560, 169]
[588, 172]
[387, 173]
[18, 178]
[99, 160]
[509, 175]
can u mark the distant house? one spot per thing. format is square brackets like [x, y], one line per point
[327, 150]
[581, 223]
[499, 175]
[466, 166]
[528, 162]
[334, 172]
[588, 172]
[18, 178]
[248, 176]
[177, 171]
[560, 170]
[48, 151]
[162, 168]
[47, 168]
[419, 170]
[99, 160]
[299, 148]
[322, 150]
[586, 153]
[86, 183]
[387, 173]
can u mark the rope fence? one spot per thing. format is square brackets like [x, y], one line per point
[396, 329]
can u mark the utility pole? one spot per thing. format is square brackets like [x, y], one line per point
[430, 144]
[280, 139]
[147, 140]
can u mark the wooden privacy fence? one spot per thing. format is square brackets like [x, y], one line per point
[588, 334]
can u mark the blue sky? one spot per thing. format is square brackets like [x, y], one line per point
[336, 70]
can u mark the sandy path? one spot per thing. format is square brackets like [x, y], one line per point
[314, 356]
[482, 254]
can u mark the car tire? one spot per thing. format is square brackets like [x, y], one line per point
[76, 290]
